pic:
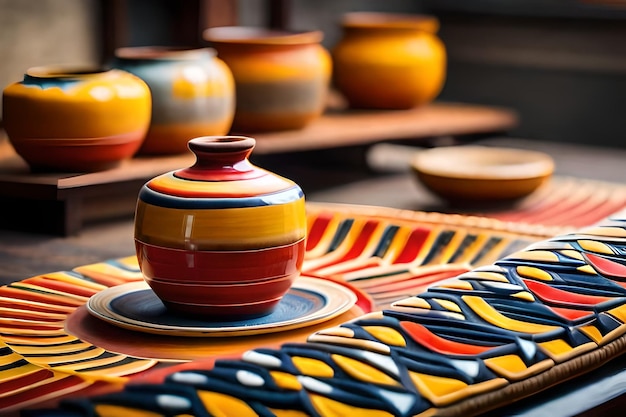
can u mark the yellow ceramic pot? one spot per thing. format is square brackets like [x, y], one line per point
[389, 61]
[193, 94]
[223, 237]
[76, 119]
[281, 77]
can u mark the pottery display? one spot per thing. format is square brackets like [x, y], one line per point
[389, 60]
[65, 118]
[222, 237]
[545, 313]
[480, 174]
[281, 77]
[193, 94]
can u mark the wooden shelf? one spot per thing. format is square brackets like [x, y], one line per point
[60, 203]
[340, 127]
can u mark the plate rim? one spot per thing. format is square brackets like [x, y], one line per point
[320, 286]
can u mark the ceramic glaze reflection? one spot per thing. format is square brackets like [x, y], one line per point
[222, 237]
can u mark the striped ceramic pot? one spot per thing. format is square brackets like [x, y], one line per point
[222, 237]
[193, 94]
[281, 77]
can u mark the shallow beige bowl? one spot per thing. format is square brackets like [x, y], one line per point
[481, 173]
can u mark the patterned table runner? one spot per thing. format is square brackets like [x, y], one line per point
[52, 347]
[466, 345]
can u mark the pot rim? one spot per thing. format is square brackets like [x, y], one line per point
[389, 20]
[221, 143]
[68, 71]
[258, 35]
[162, 52]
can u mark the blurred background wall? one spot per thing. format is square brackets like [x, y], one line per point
[561, 64]
[38, 32]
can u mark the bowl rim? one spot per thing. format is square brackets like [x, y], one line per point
[486, 163]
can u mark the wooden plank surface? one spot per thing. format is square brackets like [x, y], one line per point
[356, 127]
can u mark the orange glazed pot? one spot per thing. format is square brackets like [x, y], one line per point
[223, 237]
[193, 94]
[76, 119]
[389, 61]
[281, 77]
